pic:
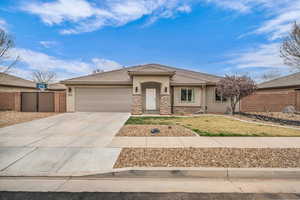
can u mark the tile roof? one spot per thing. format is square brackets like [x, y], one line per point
[57, 86]
[10, 80]
[14, 81]
[285, 81]
[120, 76]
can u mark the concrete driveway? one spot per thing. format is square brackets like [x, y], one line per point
[65, 144]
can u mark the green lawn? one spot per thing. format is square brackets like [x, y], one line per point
[218, 126]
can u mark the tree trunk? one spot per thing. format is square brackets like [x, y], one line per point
[233, 105]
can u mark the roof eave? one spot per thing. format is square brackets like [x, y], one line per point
[191, 84]
[18, 86]
[278, 87]
[96, 82]
[145, 73]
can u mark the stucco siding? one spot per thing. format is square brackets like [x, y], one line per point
[71, 99]
[214, 106]
[163, 80]
[177, 97]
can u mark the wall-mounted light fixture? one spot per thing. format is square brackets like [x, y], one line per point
[69, 91]
[136, 89]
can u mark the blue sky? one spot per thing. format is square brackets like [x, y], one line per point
[74, 37]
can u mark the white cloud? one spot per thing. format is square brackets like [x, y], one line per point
[56, 12]
[280, 24]
[84, 16]
[3, 24]
[266, 55]
[185, 8]
[105, 64]
[48, 44]
[279, 14]
[33, 60]
[241, 6]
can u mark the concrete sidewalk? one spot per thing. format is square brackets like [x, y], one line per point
[151, 185]
[206, 142]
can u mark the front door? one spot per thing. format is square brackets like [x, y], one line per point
[150, 99]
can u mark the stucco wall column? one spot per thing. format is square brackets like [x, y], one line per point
[203, 101]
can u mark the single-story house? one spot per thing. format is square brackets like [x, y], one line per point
[274, 95]
[11, 83]
[150, 88]
[12, 88]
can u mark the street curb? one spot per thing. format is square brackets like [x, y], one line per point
[161, 172]
[172, 172]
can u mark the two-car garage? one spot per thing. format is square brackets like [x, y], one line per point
[103, 99]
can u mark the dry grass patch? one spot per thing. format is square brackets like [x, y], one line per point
[208, 125]
[220, 125]
[209, 157]
[10, 117]
[145, 131]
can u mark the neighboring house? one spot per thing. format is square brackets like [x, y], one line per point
[13, 88]
[151, 88]
[274, 95]
[10, 83]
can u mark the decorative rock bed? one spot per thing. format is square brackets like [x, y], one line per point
[271, 119]
[209, 157]
[164, 131]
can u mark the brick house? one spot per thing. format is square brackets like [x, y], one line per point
[12, 88]
[142, 89]
[274, 95]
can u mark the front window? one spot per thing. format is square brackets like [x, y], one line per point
[187, 95]
[219, 98]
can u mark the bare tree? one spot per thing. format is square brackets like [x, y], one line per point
[269, 75]
[6, 43]
[43, 76]
[290, 48]
[235, 88]
[98, 71]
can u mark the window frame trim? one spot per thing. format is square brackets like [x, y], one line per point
[221, 96]
[193, 95]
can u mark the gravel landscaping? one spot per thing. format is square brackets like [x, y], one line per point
[282, 119]
[209, 157]
[279, 115]
[10, 117]
[145, 131]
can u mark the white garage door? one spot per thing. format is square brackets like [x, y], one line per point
[108, 99]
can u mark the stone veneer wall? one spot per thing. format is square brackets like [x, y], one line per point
[137, 108]
[165, 105]
[187, 110]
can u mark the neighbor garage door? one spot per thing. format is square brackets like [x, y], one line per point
[110, 99]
